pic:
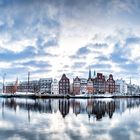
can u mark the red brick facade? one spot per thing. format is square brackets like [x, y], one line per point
[90, 88]
[110, 84]
[76, 86]
[10, 89]
[99, 83]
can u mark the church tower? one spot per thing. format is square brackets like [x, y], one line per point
[89, 76]
[94, 74]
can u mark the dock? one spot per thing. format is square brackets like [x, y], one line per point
[68, 96]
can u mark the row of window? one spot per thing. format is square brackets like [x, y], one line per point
[64, 81]
[45, 84]
[63, 91]
[63, 84]
[63, 87]
[55, 88]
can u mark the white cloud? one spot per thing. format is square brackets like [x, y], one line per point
[68, 27]
[5, 64]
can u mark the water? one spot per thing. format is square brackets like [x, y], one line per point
[63, 119]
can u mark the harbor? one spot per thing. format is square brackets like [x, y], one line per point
[83, 96]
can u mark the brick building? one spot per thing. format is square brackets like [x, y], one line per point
[99, 83]
[10, 88]
[110, 84]
[90, 88]
[76, 86]
[64, 85]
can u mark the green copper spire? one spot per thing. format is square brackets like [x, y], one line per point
[89, 77]
[94, 74]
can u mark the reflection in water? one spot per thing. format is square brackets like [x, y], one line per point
[95, 108]
[69, 119]
[64, 106]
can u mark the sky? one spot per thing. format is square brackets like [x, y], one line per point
[51, 37]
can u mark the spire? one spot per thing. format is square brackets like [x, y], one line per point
[89, 77]
[94, 75]
[16, 85]
[130, 80]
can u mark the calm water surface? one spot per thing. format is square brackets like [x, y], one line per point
[75, 119]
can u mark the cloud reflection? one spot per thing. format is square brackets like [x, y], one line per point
[69, 119]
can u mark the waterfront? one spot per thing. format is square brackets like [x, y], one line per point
[108, 119]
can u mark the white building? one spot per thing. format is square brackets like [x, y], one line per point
[45, 85]
[83, 86]
[55, 87]
[133, 89]
[122, 86]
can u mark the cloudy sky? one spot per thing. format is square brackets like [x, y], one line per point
[51, 37]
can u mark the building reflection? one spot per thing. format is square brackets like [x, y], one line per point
[96, 108]
[76, 107]
[11, 103]
[110, 108]
[64, 106]
[93, 108]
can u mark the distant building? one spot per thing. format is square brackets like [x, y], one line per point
[137, 89]
[31, 86]
[24, 87]
[99, 83]
[122, 86]
[45, 85]
[83, 85]
[64, 85]
[9, 88]
[133, 89]
[110, 84]
[55, 87]
[76, 86]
